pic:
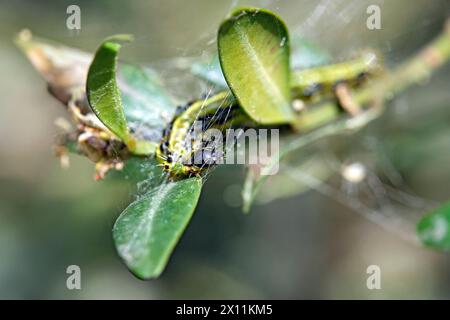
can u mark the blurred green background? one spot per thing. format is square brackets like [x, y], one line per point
[308, 246]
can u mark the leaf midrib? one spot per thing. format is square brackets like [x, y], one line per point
[266, 80]
[148, 219]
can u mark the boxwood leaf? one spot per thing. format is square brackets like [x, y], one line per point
[147, 231]
[253, 47]
[304, 54]
[434, 228]
[102, 89]
[104, 95]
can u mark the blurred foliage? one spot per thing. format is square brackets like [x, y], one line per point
[434, 228]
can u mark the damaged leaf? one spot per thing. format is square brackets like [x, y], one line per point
[64, 68]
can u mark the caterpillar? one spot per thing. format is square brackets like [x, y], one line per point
[179, 147]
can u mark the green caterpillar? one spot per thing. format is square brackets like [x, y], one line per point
[179, 148]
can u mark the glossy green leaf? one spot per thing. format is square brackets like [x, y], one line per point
[253, 47]
[105, 98]
[434, 229]
[102, 89]
[147, 231]
[304, 54]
